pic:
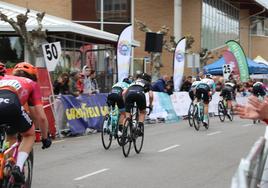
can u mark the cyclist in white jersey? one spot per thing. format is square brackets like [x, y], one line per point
[204, 90]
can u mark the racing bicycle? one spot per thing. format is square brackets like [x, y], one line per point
[110, 127]
[133, 133]
[222, 111]
[8, 157]
[198, 115]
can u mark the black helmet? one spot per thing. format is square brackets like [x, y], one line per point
[127, 80]
[146, 77]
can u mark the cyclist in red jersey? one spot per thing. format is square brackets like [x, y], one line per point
[15, 92]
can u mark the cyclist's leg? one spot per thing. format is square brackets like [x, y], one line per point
[141, 104]
[206, 103]
[122, 110]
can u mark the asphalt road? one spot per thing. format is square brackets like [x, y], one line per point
[173, 156]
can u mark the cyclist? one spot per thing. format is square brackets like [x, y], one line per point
[116, 97]
[193, 89]
[204, 90]
[259, 89]
[136, 93]
[16, 91]
[228, 94]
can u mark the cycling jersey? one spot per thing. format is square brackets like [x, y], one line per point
[192, 89]
[119, 87]
[136, 93]
[26, 89]
[115, 97]
[228, 91]
[140, 85]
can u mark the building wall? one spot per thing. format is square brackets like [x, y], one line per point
[60, 8]
[244, 30]
[259, 46]
[191, 24]
[155, 14]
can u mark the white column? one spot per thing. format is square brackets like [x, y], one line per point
[177, 19]
[132, 51]
[101, 15]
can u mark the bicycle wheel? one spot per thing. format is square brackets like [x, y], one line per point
[126, 137]
[119, 138]
[28, 173]
[138, 139]
[196, 118]
[190, 114]
[221, 111]
[106, 134]
[28, 170]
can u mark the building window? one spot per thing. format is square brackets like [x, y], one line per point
[220, 23]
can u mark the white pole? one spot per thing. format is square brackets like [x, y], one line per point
[132, 51]
[101, 15]
[177, 19]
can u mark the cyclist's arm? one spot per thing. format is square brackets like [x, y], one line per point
[151, 98]
[39, 118]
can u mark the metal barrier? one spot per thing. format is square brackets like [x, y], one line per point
[250, 172]
[60, 118]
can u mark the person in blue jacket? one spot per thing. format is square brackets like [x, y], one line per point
[160, 84]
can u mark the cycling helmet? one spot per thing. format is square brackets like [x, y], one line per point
[127, 80]
[26, 67]
[209, 76]
[146, 77]
[2, 68]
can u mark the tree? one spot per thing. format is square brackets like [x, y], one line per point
[31, 38]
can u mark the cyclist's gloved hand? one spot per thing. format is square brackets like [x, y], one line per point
[46, 143]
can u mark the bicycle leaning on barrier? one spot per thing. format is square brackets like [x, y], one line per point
[110, 127]
[8, 158]
[133, 132]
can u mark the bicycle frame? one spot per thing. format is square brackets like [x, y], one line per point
[4, 153]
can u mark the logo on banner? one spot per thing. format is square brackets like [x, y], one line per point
[124, 48]
[179, 56]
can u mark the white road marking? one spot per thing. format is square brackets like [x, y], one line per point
[217, 132]
[91, 174]
[58, 141]
[246, 125]
[168, 148]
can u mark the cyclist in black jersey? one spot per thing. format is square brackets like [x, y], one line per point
[136, 93]
[228, 93]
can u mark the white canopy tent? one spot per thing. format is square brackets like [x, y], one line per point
[260, 59]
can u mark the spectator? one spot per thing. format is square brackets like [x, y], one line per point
[169, 87]
[187, 84]
[73, 86]
[160, 84]
[94, 84]
[61, 85]
[86, 80]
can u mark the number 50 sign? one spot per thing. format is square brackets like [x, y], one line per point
[52, 53]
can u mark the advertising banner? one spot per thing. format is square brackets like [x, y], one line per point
[162, 107]
[124, 53]
[178, 63]
[241, 59]
[85, 111]
[230, 60]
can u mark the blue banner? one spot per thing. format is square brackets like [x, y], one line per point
[85, 111]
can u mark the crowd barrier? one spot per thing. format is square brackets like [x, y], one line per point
[79, 113]
[251, 170]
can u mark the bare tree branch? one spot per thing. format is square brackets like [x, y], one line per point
[142, 26]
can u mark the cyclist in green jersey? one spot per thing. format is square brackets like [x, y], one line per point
[116, 97]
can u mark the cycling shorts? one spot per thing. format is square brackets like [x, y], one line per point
[202, 92]
[135, 96]
[115, 98]
[258, 91]
[13, 114]
[228, 93]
